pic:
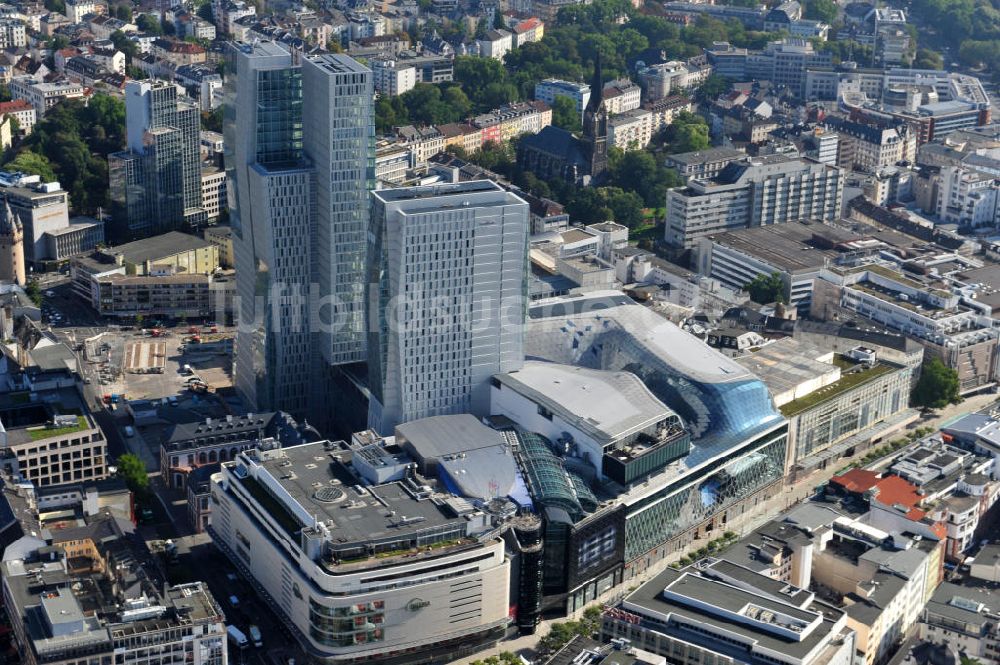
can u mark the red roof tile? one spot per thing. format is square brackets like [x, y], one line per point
[896, 491]
[856, 480]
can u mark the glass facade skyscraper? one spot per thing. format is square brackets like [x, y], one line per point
[297, 138]
[155, 183]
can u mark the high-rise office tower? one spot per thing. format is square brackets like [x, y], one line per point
[448, 275]
[338, 127]
[155, 183]
[299, 144]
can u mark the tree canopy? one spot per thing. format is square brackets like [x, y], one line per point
[133, 472]
[821, 10]
[71, 143]
[565, 114]
[937, 387]
[687, 133]
[27, 161]
[928, 59]
[766, 289]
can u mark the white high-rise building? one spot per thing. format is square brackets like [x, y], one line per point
[448, 271]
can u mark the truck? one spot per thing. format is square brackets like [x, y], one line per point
[255, 636]
[237, 637]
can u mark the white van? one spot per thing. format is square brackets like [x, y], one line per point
[255, 636]
[237, 637]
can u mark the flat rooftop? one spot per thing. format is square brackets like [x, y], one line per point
[852, 375]
[434, 191]
[788, 363]
[23, 420]
[158, 247]
[792, 247]
[685, 352]
[607, 405]
[338, 63]
[701, 597]
[322, 485]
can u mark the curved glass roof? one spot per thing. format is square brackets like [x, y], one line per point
[721, 402]
[548, 481]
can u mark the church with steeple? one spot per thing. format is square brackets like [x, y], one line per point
[11, 247]
[557, 153]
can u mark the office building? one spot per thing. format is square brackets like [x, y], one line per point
[300, 161]
[717, 611]
[425, 581]
[964, 617]
[43, 95]
[40, 206]
[222, 237]
[190, 446]
[155, 183]
[338, 138]
[547, 91]
[51, 439]
[703, 164]
[213, 193]
[448, 271]
[922, 306]
[834, 402]
[758, 191]
[83, 235]
[797, 251]
[270, 203]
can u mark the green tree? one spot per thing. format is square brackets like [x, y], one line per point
[766, 289]
[389, 112]
[713, 86]
[821, 10]
[211, 121]
[687, 133]
[123, 13]
[641, 172]
[937, 387]
[497, 157]
[34, 292]
[27, 161]
[122, 43]
[205, 12]
[928, 59]
[149, 24]
[4, 93]
[565, 114]
[57, 6]
[133, 472]
[75, 138]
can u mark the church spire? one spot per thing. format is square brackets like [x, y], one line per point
[596, 86]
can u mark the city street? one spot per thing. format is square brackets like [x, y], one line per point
[800, 491]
